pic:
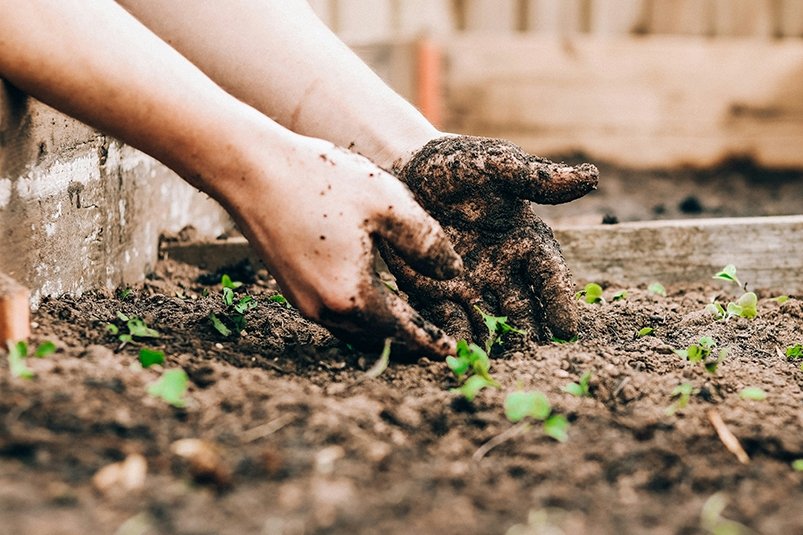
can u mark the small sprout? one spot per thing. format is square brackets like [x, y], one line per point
[781, 299]
[226, 282]
[122, 317]
[497, 327]
[794, 352]
[644, 331]
[17, 353]
[716, 310]
[683, 394]
[124, 294]
[534, 404]
[592, 293]
[138, 328]
[728, 273]
[657, 288]
[702, 352]
[557, 426]
[753, 393]
[149, 357]
[381, 363]
[279, 298]
[45, 349]
[472, 387]
[579, 389]
[228, 296]
[556, 340]
[619, 296]
[219, 325]
[712, 521]
[797, 465]
[112, 329]
[744, 307]
[171, 387]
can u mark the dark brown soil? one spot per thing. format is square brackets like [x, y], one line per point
[310, 444]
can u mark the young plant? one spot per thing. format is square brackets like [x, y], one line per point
[534, 404]
[137, 328]
[753, 393]
[644, 331]
[794, 352]
[592, 293]
[556, 340]
[18, 354]
[703, 352]
[619, 296]
[781, 299]
[149, 357]
[683, 394]
[579, 389]
[744, 307]
[797, 465]
[171, 387]
[472, 361]
[236, 309]
[497, 328]
[280, 299]
[728, 273]
[657, 288]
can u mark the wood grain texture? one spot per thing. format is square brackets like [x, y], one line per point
[767, 251]
[15, 310]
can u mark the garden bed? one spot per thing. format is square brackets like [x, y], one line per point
[308, 442]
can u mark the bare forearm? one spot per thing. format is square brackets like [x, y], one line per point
[280, 58]
[94, 61]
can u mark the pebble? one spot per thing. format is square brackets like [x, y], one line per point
[218, 345]
[124, 476]
[562, 374]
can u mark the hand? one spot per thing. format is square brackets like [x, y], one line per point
[478, 189]
[315, 222]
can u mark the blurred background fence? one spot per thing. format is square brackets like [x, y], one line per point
[362, 20]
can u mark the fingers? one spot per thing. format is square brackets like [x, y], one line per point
[552, 281]
[418, 238]
[555, 183]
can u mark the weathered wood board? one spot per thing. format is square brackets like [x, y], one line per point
[768, 251]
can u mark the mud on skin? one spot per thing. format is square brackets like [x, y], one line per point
[478, 189]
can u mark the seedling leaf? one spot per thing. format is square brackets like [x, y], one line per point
[149, 357]
[226, 282]
[579, 389]
[556, 426]
[619, 296]
[781, 299]
[657, 288]
[520, 404]
[381, 363]
[592, 293]
[458, 365]
[219, 325]
[245, 304]
[644, 331]
[17, 353]
[122, 316]
[728, 273]
[279, 298]
[683, 393]
[138, 328]
[556, 340]
[497, 327]
[112, 329]
[171, 387]
[45, 349]
[472, 386]
[797, 465]
[753, 393]
[228, 296]
[794, 352]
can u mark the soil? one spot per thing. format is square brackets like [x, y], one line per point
[298, 438]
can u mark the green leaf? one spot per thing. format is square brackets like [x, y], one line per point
[382, 362]
[683, 392]
[45, 349]
[497, 327]
[728, 273]
[219, 325]
[458, 365]
[125, 338]
[797, 465]
[124, 294]
[122, 316]
[557, 426]
[556, 340]
[17, 353]
[744, 307]
[574, 389]
[619, 296]
[112, 329]
[794, 352]
[279, 298]
[711, 367]
[644, 331]
[171, 387]
[716, 310]
[245, 304]
[657, 288]
[706, 342]
[228, 296]
[149, 357]
[520, 404]
[753, 393]
[138, 328]
[592, 293]
[781, 299]
[472, 386]
[227, 283]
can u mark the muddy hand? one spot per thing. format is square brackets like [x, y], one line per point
[478, 189]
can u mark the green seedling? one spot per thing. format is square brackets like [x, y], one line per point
[226, 282]
[137, 328]
[683, 394]
[744, 307]
[797, 465]
[716, 310]
[497, 328]
[534, 404]
[703, 352]
[124, 294]
[556, 340]
[149, 357]
[592, 293]
[644, 331]
[657, 288]
[233, 319]
[712, 521]
[472, 386]
[18, 354]
[171, 387]
[794, 352]
[781, 299]
[219, 325]
[471, 359]
[382, 362]
[753, 393]
[619, 296]
[579, 389]
[728, 273]
[279, 298]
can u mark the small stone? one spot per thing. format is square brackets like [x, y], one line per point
[325, 459]
[562, 374]
[125, 476]
[218, 345]
[205, 462]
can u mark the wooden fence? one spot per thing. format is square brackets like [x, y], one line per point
[359, 21]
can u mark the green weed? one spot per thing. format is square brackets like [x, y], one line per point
[18, 354]
[171, 387]
[579, 389]
[657, 288]
[534, 404]
[149, 357]
[703, 352]
[592, 293]
[644, 331]
[497, 328]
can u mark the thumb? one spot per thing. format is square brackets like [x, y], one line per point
[555, 183]
[417, 237]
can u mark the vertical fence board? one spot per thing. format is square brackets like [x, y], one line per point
[492, 15]
[791, 18]
[685, 17]
[617, 17]
[360, 21]
[554, 16]
[743, 18]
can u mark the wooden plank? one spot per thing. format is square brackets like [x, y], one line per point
[499, 16]
[791, 18]
[556, 17]
[767, 251]
[681, 17]
[653, 101]
[752, 18]
[15, 311]
[618, 17]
